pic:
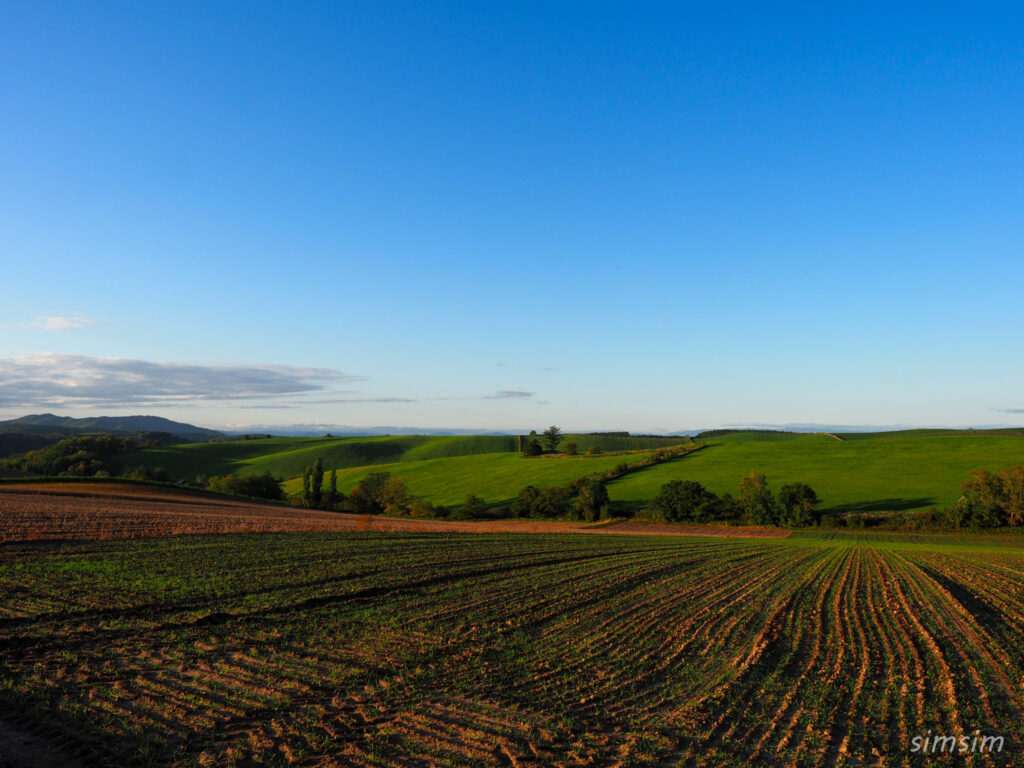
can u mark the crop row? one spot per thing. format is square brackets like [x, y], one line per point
[365, 649]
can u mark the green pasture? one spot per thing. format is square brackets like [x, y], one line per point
[494, 477]
[887, 473]
[1005, 432]
[864, 472]
[609, 443]
[288, 456]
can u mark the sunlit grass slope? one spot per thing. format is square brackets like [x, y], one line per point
[882, 473]
[609, 443]
[495, 477]
[288, 456]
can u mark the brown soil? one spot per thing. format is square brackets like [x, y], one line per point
[76, 511]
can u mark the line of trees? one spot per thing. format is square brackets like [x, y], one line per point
[682, 501]
[586, 499]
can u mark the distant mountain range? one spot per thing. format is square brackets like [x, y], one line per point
[48, 424]
[30, 433]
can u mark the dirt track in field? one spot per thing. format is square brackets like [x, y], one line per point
[91, 511]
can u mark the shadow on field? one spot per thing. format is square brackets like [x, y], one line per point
[884, 505]
[627, 508]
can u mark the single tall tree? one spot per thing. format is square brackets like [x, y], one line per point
[798, 501]
[552, 436]
[756, 500]
[368, 497]
[331, 495]
[307, 476]
[680, 500]
[592, 503]
[315, 489]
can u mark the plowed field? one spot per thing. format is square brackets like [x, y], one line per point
[361, 648]
[97, 511]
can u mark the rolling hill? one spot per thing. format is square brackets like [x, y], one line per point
[875, 472]
[29, 433]
[47, 424]
[495, 477]
[286, 457]
[851, 472]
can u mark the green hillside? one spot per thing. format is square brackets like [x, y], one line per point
[1005, 432]
[288, 456]
[495, 477]
[880, 473]
[863, 472]
[609, 443]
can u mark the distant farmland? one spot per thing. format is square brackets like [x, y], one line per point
[862, 472]
[493, 477]
[288, 456]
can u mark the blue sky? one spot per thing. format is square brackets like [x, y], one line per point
[486, 215]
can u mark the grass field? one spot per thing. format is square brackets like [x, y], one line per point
[609, 443]
[362, 649]
[494, 477]
[1003, 432]
[874, 474]
[288, 456]
[866, 472]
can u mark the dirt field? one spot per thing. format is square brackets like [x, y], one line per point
[100, 511]
[407, 649]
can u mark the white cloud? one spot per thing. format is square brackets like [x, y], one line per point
[42, 380]
[62, 322]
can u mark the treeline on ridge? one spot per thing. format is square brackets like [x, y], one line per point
[93, 456]
[86, 456]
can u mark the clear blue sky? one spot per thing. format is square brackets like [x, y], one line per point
[508, 215]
